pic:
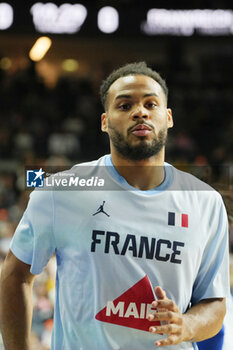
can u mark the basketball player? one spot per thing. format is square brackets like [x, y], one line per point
[149, 267]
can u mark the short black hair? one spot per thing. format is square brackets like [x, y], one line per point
[135, 68]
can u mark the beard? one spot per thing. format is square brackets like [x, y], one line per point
[143, 150]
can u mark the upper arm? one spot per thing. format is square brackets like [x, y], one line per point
[212, 280]
[217, 302]
[211, 308]
[34, 240]
[13, 267]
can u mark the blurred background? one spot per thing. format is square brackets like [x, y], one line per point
[49, 95]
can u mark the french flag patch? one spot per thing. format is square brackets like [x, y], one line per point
[178, 219]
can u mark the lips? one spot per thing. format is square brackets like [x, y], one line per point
[141, 130]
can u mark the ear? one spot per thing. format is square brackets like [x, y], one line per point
[104, 122]
[169, 118]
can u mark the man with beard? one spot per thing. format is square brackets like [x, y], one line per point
[150, 267]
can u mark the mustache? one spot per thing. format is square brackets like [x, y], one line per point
[133, 126]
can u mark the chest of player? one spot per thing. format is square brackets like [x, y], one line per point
[157, 228]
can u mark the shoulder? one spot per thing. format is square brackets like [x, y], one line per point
[88, 167]
[199, 191]
[66, 178]
[93, 163]
[88, 170]
[188, 182]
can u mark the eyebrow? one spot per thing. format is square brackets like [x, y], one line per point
[130, 96]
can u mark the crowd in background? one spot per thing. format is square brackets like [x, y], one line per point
[57, 126]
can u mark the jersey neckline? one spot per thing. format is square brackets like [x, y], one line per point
[112, 171]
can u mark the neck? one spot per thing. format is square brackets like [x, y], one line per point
[145, 174]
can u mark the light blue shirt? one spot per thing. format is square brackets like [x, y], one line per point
[113, 241]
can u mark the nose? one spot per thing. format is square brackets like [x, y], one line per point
[140, 112]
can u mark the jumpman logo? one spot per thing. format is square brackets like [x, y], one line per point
[101, 210]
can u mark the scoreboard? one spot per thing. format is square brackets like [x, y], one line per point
[88, 19]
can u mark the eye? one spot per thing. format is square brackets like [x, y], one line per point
[125, 106]
[151, 105]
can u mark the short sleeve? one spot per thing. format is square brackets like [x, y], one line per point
[33, 241]
[212, 280]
